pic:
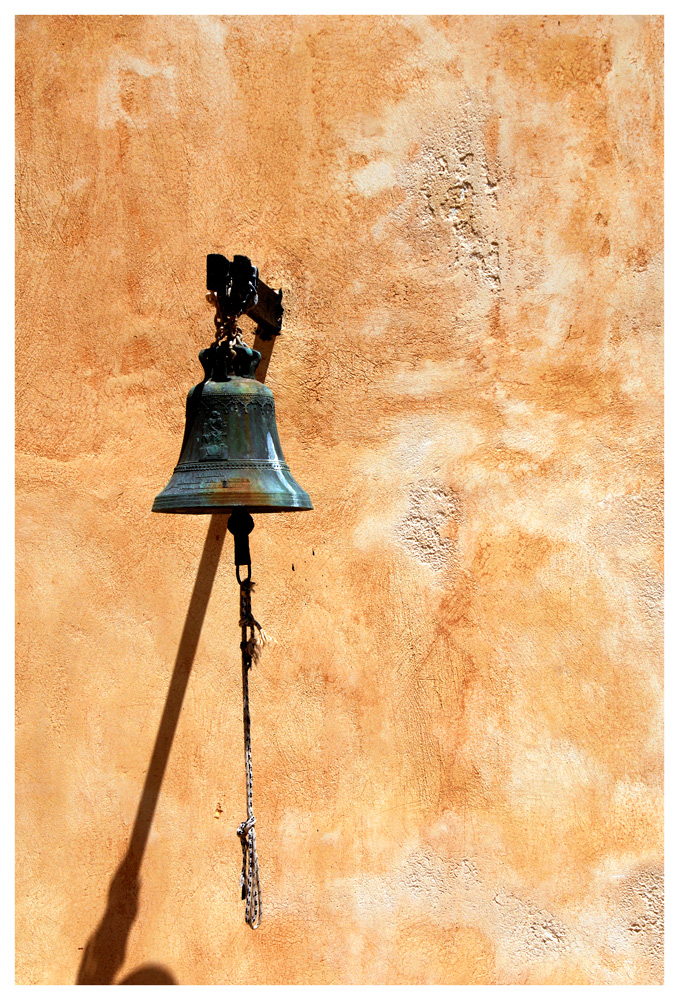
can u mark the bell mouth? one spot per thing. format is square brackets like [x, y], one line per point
[166, 506]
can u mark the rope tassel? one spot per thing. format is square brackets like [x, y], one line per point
[251, 890]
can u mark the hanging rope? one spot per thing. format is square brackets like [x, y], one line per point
[252, 639]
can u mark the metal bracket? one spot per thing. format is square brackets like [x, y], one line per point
[240, 290]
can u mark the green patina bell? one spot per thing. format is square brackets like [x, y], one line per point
[231, 456]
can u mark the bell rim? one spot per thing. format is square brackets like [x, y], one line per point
[226, 510]
[213, 508]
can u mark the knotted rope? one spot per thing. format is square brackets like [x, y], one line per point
[252, 640]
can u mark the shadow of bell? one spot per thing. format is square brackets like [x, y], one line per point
[149, 975]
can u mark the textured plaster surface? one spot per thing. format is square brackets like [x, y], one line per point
[457, 735]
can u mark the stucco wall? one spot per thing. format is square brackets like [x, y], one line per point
[457, 736]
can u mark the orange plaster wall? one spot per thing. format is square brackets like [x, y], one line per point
[457, 735]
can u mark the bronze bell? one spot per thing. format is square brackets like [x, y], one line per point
[231, 456]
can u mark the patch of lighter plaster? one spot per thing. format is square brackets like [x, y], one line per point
[132, 88]
[430, 507]
[643, 895]
[374, 177]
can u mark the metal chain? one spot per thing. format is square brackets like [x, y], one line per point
[250, 650]
[226, 328]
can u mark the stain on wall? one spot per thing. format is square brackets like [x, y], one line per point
[457, 734]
